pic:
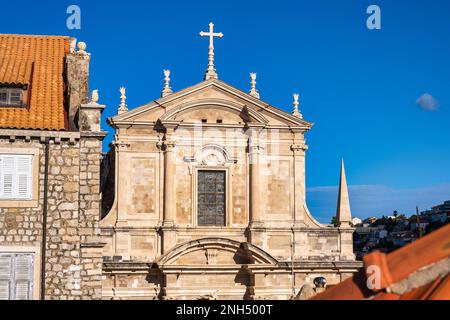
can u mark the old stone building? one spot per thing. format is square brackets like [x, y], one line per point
[207, 199]
[201, 196]
[50, 153]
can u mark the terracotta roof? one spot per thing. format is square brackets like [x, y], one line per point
[36, 61]
[419, 271]
[15, 72]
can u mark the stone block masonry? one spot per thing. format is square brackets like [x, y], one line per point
[73, 264]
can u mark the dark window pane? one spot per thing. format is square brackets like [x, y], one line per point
[15, 96]
[3, 96]
[220, 188]
[211, 198]
[220, 198]
[10, 97]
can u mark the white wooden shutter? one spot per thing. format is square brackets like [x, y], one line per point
[1, 177]
[5, 276]
[16, 276]
[16, 177]
[23, 277]
[8, 170]
[23, 177]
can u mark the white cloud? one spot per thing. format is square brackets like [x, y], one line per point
[428, 103]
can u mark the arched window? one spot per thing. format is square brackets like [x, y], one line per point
[211, 197]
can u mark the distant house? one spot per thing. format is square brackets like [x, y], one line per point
[356, 221]
[439, 213]
[418, 225]
[400, 226]
[370, 220]
[382, 234]
[401, 238]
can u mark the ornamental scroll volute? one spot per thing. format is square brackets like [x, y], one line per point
[211, 156]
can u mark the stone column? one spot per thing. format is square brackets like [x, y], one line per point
[257, 195]
[300, 236]
[299, 150]
[122, 238]
[168, 226]
[169, 184]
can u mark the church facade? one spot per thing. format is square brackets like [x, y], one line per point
[204, 197]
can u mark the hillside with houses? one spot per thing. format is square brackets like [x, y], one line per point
[389, 233]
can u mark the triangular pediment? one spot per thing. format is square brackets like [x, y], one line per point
[210, 98]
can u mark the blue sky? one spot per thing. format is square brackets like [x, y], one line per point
[361, 87]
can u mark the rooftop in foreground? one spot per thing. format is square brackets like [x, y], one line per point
[419, 271]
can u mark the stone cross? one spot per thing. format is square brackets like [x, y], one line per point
[211, 71]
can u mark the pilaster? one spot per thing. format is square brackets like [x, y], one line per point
[168, 225]
[258, 189]
[299, 153]
[346, 244]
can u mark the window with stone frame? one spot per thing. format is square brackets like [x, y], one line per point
[15, 177]
[12, 97]
[16, 276]
[211, 198]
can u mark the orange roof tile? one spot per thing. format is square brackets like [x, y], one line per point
[37, 61]
[419, 271]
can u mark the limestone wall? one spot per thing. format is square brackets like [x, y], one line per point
[73, 263]
[140, 181]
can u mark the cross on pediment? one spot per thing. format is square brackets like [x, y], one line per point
[211, 71]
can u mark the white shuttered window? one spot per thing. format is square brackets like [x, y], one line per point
[15, 177]
[16, 276]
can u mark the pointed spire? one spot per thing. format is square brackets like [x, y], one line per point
[296, 112]
[343, 214]
[167, 89]
[253, 92]
[123, 98]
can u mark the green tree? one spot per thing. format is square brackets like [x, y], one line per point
[334, 221]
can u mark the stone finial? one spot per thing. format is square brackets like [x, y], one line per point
[123, 98]
[81, 46]
[73, 45]
[167, 89]
[89, 116]
[253, 92]
[94, 97]
[296, 112]
[343, 213]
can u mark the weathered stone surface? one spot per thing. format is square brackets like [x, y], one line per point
[153, 204]
[72, 216]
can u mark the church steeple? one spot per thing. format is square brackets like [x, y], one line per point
[343, 214]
